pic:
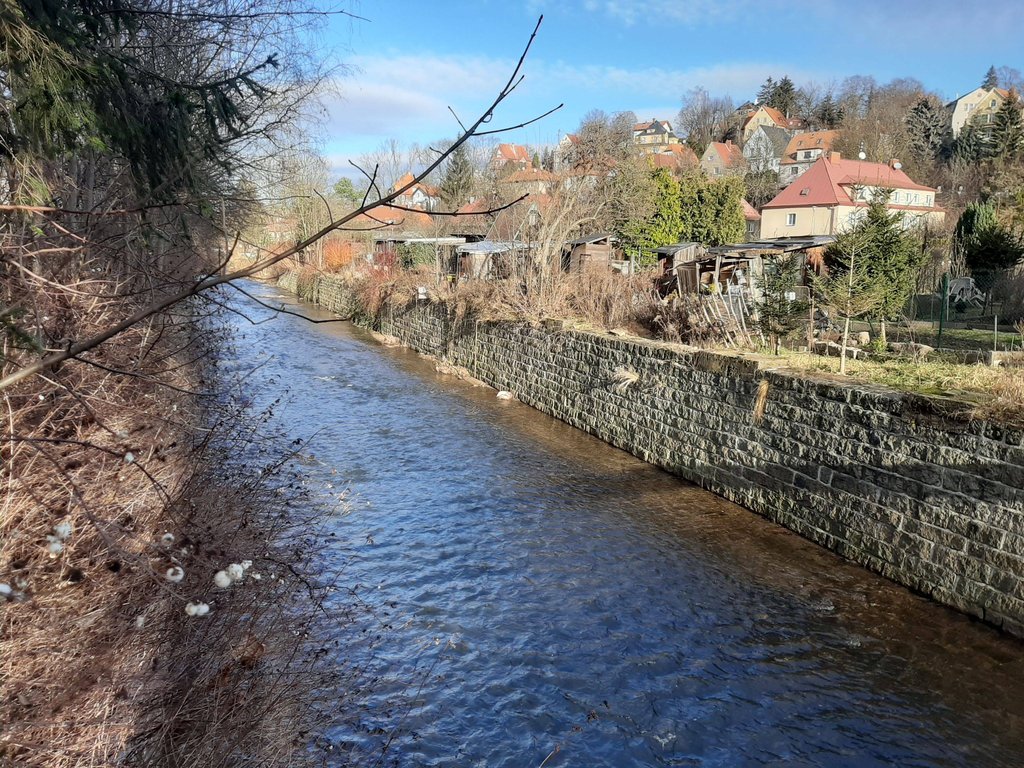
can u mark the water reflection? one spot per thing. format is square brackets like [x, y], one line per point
[559, 599]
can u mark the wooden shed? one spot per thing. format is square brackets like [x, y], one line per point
[596, 250]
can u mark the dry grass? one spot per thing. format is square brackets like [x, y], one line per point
[99, 663]
[991, 393]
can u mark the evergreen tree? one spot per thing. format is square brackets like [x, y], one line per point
[766, 91]
[928, 130]
[972, 144]
[346, 190]
[783, 96]
[662, 227]
[778, 311]
[986, 245]
[1007, 138]
[457, 183]
[991, 79]
[712, 209]
[829, 114]
[847, 286]
[892, 261]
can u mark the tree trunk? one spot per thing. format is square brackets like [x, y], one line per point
[842, 352]
[881, 333]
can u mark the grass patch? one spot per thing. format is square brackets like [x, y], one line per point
[993, 394]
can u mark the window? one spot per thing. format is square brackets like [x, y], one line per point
[928, 200]
[790, 219]
[917, 198]
[992, 104]
[807, 155]
[794, 171]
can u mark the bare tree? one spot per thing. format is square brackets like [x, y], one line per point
[217, 276]
[703, 117]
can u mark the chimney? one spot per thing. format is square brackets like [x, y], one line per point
[895, 164]
[834, 157]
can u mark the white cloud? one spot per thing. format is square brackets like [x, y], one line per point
[399, 95]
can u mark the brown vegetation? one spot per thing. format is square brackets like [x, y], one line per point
[116, 470]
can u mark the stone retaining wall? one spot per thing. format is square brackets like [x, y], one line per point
[929, 499]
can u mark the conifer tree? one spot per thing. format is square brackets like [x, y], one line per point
[846, 286]
[779, 312]
[928, 129]
[892, 261]
[991, 79]
[457, 183]
[783, 97]
[829, 114]
[1007, 139]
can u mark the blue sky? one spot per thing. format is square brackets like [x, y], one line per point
[411, 60]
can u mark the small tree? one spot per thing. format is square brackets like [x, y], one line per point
[847, 286]
[893, 261]
[347, 192]
[991, 79]
[987, 246]
[458, 180]
[1008, 129]
[779, 312]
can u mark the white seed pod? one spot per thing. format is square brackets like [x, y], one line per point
[5, 590]
[129, 457]
[236, 572]
[255, 576]
[55, 546]
[167, 539]
[174, 574]
[222, 579]
[140, 622]
[246, 565]
[197, 609]
[63, 530]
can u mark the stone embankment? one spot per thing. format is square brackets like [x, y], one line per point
[928, 498]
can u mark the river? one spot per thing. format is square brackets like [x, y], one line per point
[551, 600]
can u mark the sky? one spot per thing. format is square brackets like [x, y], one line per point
[406, 63]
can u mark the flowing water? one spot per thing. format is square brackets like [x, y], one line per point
[550, 598]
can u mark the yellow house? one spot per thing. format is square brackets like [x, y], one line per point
[980, 106]
[769, 117]
[832, 195]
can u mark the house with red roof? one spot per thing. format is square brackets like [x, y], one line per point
[833, 194]
[802, 151]
[762, 114]
[677, 158]
[753, 220]
[530, 181]
[423, 197]
[511, 156]
[723, 158]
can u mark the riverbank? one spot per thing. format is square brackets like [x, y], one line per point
[908, 486]
[133, 484]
